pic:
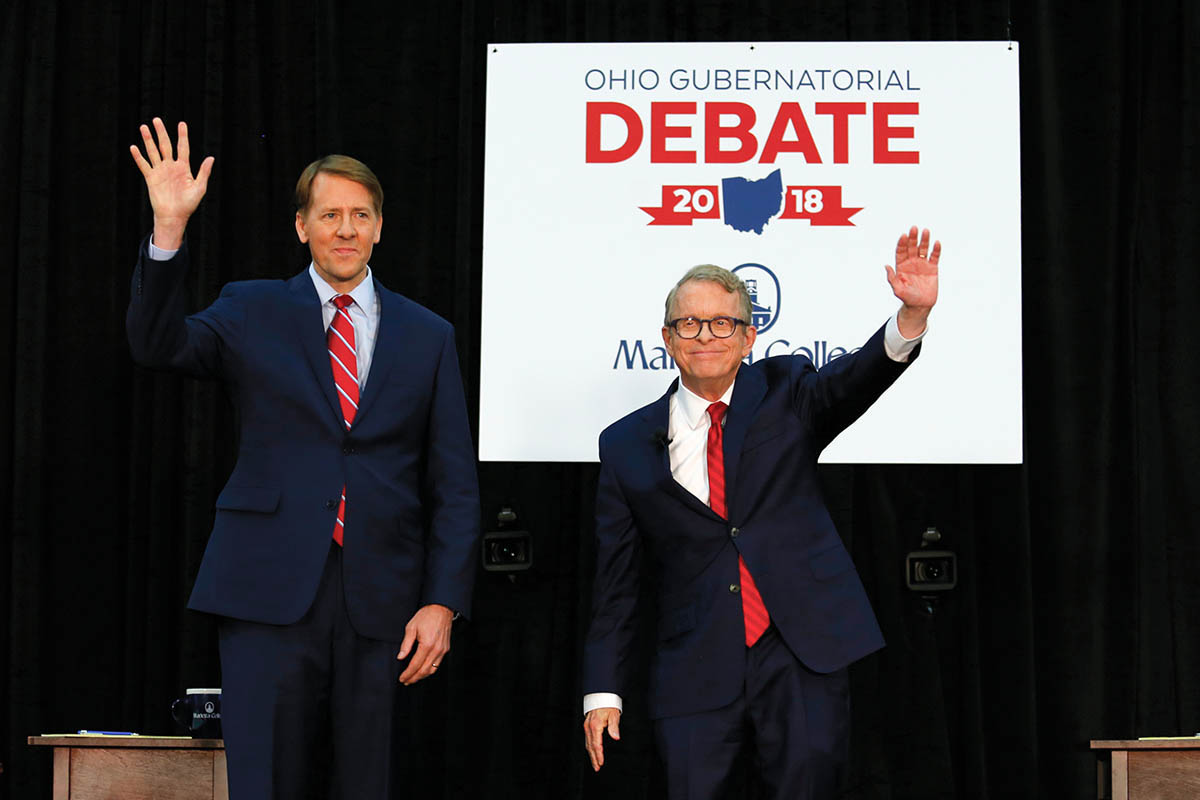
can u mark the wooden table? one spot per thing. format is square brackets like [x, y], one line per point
[1154, 769]
[136, 768]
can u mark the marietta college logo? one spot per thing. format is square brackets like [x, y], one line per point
[764, 294]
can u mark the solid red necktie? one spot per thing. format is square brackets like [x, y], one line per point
[754, 611]
[344, 360]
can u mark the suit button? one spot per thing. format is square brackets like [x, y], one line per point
[348, 449]
[733, 587]
[331, 504]
[733, 533]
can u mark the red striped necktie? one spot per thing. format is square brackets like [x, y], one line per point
[754, 611]
[344, 360]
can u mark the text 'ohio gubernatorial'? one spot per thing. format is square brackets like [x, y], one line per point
[752, 80]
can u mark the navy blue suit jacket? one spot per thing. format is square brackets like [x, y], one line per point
[782, 414]
[407, 462]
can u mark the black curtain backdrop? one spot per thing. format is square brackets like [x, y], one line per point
[1075, 615]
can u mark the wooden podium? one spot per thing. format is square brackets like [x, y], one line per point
[1148, 769]
[136, 768]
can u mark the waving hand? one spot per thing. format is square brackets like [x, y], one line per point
[914, 280]
[174, 192]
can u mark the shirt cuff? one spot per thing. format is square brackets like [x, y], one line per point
[601, 700]
[897, 347]
[158, 254]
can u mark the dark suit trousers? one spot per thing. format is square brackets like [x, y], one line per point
[307, 708]
[795, 723]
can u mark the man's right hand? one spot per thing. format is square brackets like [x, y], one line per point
[174, 193]
[594, 724]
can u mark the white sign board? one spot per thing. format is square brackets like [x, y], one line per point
[613, 168]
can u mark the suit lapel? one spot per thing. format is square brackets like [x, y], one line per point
[310, 332]
[748, 393]
[656, 418]
[389, 344]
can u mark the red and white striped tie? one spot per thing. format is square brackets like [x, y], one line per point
[344, 360]
[754, 611]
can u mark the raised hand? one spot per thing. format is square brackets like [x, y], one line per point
[914, 280]
[174, 192]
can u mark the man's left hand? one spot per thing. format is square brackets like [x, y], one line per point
[914, 280]
[429, 630]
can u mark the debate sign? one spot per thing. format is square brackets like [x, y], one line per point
[613, 168]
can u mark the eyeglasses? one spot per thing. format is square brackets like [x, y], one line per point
[719, 327]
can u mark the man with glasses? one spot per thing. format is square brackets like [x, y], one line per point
[760, 609]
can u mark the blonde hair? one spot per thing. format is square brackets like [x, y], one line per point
[346, 167]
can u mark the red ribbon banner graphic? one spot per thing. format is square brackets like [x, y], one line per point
[820, 205]
[682, 204]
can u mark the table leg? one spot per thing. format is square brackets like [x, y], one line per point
[1120, 775]
[220, 777]
[62, 773]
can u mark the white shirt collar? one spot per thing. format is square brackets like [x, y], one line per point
[363, 294]
[694, 407]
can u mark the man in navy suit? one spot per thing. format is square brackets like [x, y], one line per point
[344, 541]
[760, 609]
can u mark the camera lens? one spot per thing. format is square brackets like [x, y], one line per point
[931, 570]
[506, 551]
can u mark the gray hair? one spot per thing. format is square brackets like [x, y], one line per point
[718, 275]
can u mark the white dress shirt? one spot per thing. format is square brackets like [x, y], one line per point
[687, 430]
